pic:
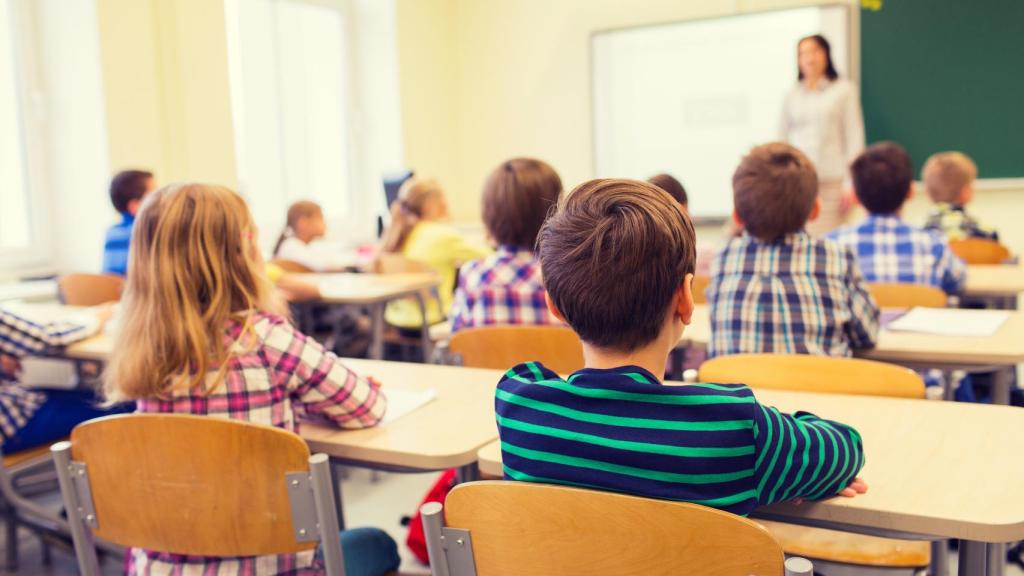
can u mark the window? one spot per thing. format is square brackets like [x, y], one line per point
[297, 67]
[17, 229]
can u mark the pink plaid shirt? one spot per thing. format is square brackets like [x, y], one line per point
[283, 377]
[503, 288]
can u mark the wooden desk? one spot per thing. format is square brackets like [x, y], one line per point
[998, 284]
[928, 475]
[1002, 351]
[445, 433]
[374, 291]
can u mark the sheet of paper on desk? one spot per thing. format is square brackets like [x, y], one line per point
[402, 402]
[46, 313]
[950, 321]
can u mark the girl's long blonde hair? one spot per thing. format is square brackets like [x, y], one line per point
[193, 268]
[407, 211]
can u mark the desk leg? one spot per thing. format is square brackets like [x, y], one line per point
[336, 474]
[467, 473]
[996, 565]
[940, 558]
[973, 557]
[1001, 385]
[377, 331]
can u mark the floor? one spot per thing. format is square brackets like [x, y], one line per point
[380, 502]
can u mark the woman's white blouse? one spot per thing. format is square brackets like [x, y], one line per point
[826, 124]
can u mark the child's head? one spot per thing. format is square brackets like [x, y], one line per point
[517, 198]
[674, 188]
[949, 177]
[194, 265]
[882, 177]
[775, 191]
[418, 199]
[305, 222]
[128, 188]
[617, 257]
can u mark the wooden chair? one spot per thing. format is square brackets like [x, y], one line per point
[89, 289]
[501, 347]
[495, 528]
[195, 485]
[806, 373]
[700, 287]
[291, 266]
[907, 295]
[828, 376]
[980, 251]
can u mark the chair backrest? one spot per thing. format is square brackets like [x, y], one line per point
[198, 485]
[700, 286]
[394, 263]
[980, 251]
[291, 266]
[806, 373]
[501, 347]
[519, 528]
[89, 289]
[907, 295]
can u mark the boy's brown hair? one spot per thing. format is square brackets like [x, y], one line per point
[774, 190]
[946, 174]
[128, 185]
[613, 256]
[669, 184]
[881, 177]
[517, 198]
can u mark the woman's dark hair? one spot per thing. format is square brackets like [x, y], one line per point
[830, 69]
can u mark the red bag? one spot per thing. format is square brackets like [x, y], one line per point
[416, 541]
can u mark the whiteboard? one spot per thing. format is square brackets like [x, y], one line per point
[692, 98]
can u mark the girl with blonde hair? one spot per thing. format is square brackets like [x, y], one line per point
[419, 232]
[203, 333]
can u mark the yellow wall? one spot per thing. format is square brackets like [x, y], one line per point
[165, 74]
[514, 78]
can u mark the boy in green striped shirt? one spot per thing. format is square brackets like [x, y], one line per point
[617, 260]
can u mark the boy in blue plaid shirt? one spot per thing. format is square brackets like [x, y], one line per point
[887, 248]
[775, 288]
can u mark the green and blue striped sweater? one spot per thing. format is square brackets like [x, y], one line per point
[711, 444]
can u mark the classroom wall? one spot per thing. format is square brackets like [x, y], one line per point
[513, 77]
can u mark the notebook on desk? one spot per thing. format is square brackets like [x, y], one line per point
[402, 402]
[949, 322]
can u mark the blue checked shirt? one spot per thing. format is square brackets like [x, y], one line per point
[796, 295]
[892, 251]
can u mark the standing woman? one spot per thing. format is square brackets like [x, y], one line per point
[821, 116]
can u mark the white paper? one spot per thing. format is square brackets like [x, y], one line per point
[950, 321]
[402, 402]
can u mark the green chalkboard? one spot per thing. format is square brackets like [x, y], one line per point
[947, 75]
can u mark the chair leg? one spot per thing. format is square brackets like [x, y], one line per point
[46, 553]
[11, 536]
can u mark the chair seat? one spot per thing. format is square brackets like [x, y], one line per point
[12, 460]
[848, 548]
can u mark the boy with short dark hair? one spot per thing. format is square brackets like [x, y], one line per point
[887, 248]
[775, 288]
[127, 189]
[618, 259]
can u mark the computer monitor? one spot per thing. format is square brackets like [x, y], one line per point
[392, 184]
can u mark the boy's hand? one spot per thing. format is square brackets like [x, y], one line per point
[858, 486]
[9, 366]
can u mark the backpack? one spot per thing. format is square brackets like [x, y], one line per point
[416, 540]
